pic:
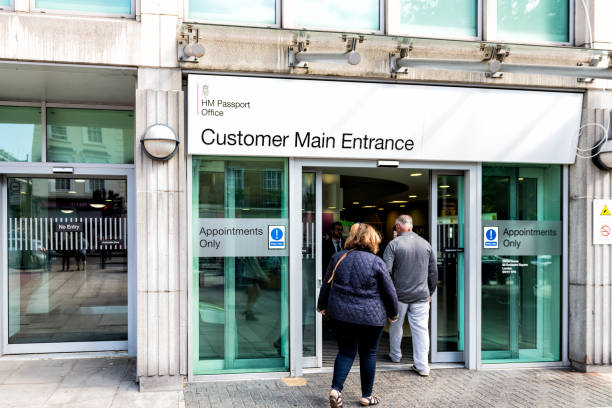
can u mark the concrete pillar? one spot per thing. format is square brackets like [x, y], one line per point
[590, 266]
[161, 237]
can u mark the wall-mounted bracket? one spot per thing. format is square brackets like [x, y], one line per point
[189, 48]
[494, 55]
[299, 57]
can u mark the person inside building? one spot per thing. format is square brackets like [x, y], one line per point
[333, 244]
[413, 266]
[357, 297]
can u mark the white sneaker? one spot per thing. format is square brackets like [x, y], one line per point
[422, 373]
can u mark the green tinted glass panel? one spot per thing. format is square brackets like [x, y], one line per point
[309, 265]
[20, 134]
[360, 15]
[521, 286]
[90, 136]
[441, 18]
[240, 284]
[258, 12]
[533, 20]
[122, 7]
[64, 284]
[451, 263]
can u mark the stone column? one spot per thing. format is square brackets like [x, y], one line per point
[161, 237]
[590, 266]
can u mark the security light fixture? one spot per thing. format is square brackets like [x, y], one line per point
[602, 152]
[299, 57]
[189, 47]
[388, 163]
[159, 142]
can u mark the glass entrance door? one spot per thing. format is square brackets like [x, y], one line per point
[67, 264]
[448, 240]
[240, 265]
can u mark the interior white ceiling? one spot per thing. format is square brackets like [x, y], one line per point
[56, 83]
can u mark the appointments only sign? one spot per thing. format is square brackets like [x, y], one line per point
[221, 237]
[522, 238]
[277, 117]
[602, 222]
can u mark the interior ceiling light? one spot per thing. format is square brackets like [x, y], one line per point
[380, 209]
[355, 202]
[79, 180]
[97, 205]
[416, 174]
[67, 211]
[398, 202]
[72, 192]
[403, 206]
[444, 186]
[412, 196]
[331, 208]
[368, 206]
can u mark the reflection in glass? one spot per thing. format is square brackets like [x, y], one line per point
[360, 15]
[122, 7]
[533, 20]
[258, 12]
[439, 18]
[521, 295]
[20, 134]
[5, 3]
[67, 260]
[90, 136]
[309, 270]
[242, 301]
[451, 272]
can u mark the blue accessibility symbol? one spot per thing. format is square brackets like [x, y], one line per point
[276, 234]
[491, 234]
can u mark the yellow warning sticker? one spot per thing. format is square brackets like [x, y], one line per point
[605, 211]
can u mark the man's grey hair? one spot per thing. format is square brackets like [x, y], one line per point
[404, 220]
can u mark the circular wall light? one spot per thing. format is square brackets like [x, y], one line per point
[159, 142]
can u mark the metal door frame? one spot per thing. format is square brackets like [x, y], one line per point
[446, 356]
[471, 172]
[46, 170]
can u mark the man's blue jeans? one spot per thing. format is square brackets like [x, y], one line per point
[353, 338]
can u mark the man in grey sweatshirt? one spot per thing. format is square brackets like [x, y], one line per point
[414, 269]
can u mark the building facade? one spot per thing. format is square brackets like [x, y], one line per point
[478, 118]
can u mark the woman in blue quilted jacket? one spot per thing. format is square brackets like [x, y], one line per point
[358, 297]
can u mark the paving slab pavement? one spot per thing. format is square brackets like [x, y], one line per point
[77, 383]
[404, 388]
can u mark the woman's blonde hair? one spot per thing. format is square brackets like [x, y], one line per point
[363, 236]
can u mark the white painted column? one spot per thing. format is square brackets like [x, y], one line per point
[161, 237]
[590, 266]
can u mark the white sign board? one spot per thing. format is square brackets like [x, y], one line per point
[602, 222]
[241, 237]
[247, 116]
